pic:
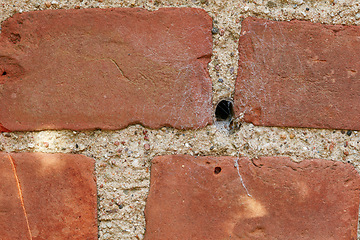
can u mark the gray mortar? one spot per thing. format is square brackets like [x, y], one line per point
[122, 163]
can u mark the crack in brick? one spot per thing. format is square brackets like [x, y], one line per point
[118, 67]
[20, 194]
[236, 164]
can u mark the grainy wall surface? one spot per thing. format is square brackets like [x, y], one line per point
[123, 156]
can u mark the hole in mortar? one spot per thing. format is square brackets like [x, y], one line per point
[217, 170]
[224, 113]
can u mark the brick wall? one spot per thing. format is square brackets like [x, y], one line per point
[206, 120]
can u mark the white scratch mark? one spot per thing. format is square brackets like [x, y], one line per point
[236, 164]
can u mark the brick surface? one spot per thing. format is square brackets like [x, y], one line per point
[47, 196]
[105, 68]
[12, 222]
[298, 74]
[205, 198]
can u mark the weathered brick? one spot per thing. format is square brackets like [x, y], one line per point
[238, 198]
[299, 74]
[105, 68]
[47, 196]
[12, 222]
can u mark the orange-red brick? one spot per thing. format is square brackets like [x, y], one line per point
[47, 196]
[298, 74]
[105, 68]
[238, 198]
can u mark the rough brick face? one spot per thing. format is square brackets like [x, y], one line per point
[97, 68]
[299, 74]
[238, 198]
[47, 196]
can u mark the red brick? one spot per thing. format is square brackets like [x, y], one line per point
[203, 198]
[299, 74]
[58, 193]
[105, 68]
[12, 222]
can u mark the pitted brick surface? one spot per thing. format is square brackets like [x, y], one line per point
[298, 74]
[47, 196]
[105, 68]
[238, 198]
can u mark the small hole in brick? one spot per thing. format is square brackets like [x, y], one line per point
[4, 73]
[217, 170]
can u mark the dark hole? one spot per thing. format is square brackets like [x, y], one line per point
[224, 110]
[76, 145]
[217, 170]
[4, 73]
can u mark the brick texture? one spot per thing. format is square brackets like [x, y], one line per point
[238, 198]
[298, 74]
[47, 196]
[105, 68]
